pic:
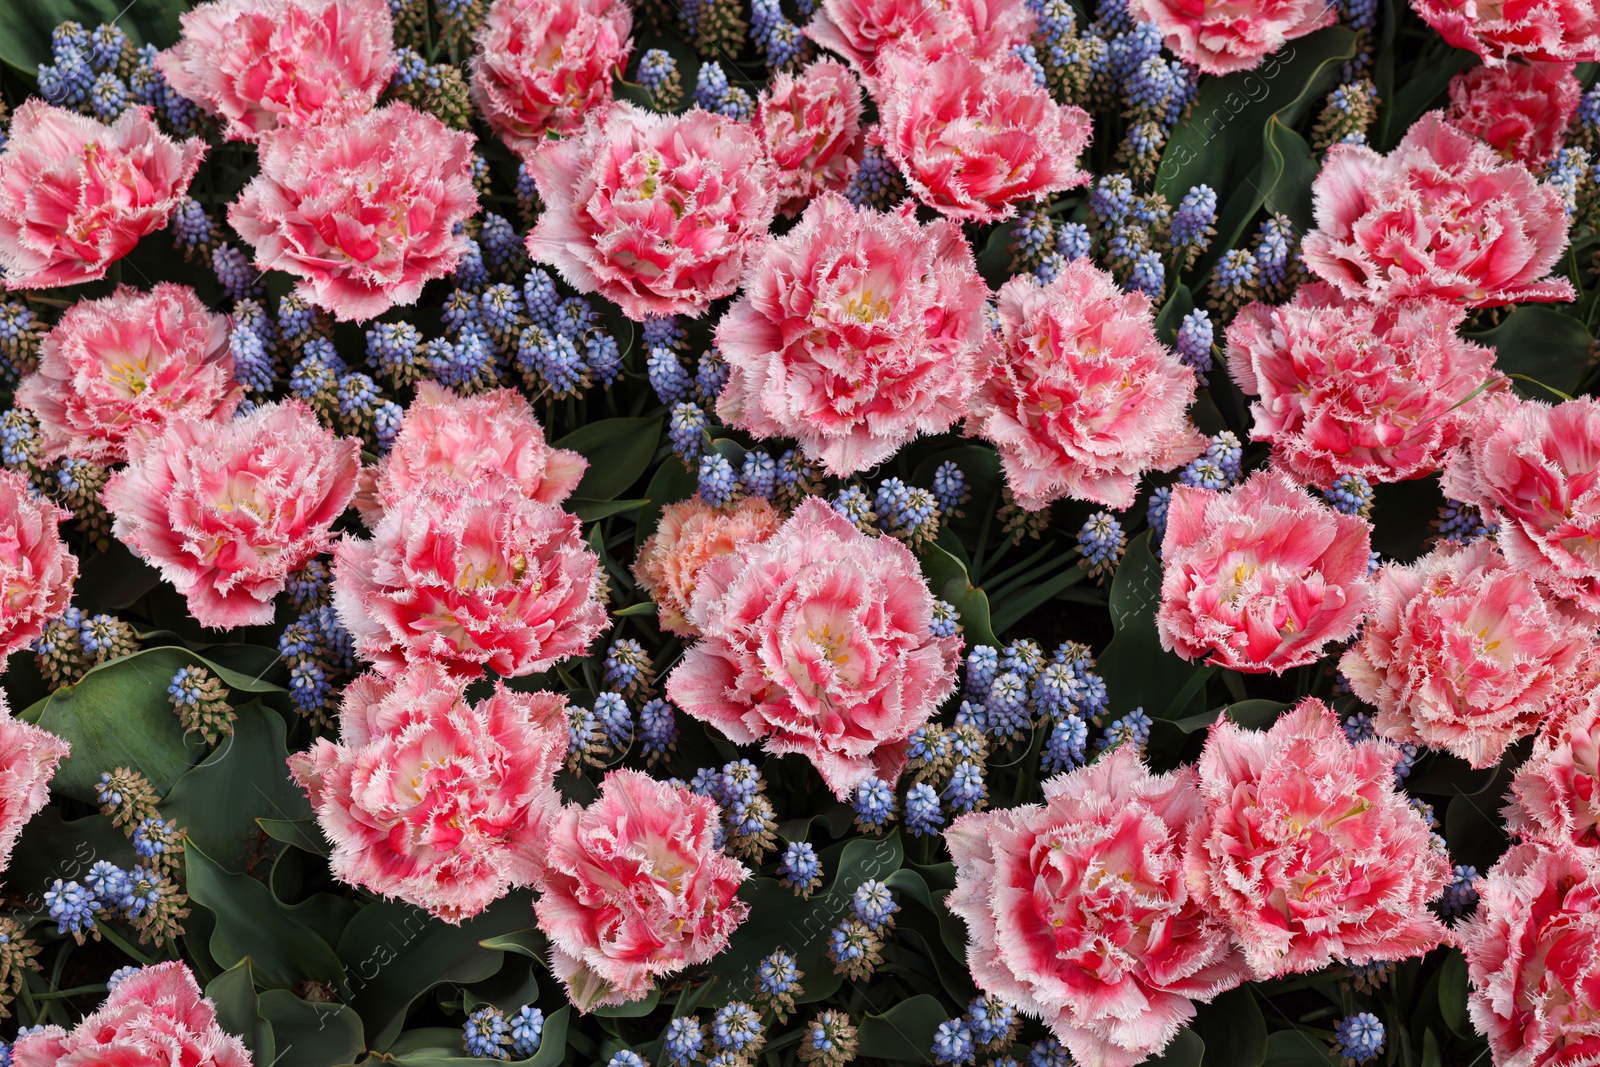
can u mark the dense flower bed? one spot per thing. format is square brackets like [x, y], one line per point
[800, 532]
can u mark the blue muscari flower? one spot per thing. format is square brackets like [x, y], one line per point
[616, 721]
[1057, 688]
[710, 375]
[952, 1042]
[105, 46]
[486, 1035]
[183, 689]
[1048, 1053]
[1111, 198]
[1006, 706]
[667, 376]
[1072, 241]
[527, 1030]
[709, 782]
[119, 975]
[153, 837]
[1194, 339]
[1152, 85]
[853, 504]
[1101, 541]
[105, 793]
[1023, 658]
[108, 96]
[777, 975]
[922, 810]
[1227, 452]
[657, 69]
[66, 82]
[623, 662]
[498, 238]
[1235, 271]
[1565, 173]
[1407, 760]
[238, 277]
[540, 296]
[1156, 511]
[874, 803]
[683, 1041]
[876, 182]
[146, 892]
[873, 904]
[1350, 495]
[253, 365]
[717, 481]
[357, 393]
[15, 442]
[658, 730]
[901, 508]
[409, 66]
[110, 885]
[583, 730]
[604, 357]
[741, 781]
[1358, 727]
[846, 945]
[309, 687]
[1358, 1038]
[71, 905]
[191, 227]
[965, 790]
[1192, 221]
[758, 475]
[949, 486]
[712, 92]
[1458, 522]
[686, 429]
[1461, 893]
[799, 866]
[778, 39]
[1064, 748]
[386, 424]
[1274, 250]
[944, 621]
[1133, 728]
[1361, 14]
[990, 1019]
[627, 1058]
[499, 307]
[983, 665]
[664, 331]
[1030, 59]
[1204, 473]
[736, 1026]
[1033, 234]
[926, 745]
[470, 272]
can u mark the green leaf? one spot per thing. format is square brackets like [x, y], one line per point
[619, 452]
[1225, 137]
[594, 510]
[250, 923]
[311, 1035]
[904, 1032]
[1233, 1029]
[25, 26]
[780, 920]
[1137, 671]
[52, 847]
[119, 715]
[1186, 1050]
[1543, 344]
[301, 833]
[1290, 170]
[530, 942]
[671, 483]
[395, 952]
[632, 1009]
[238, 1010]
[244, 779]
[947, 578]
[1295, 1048]
[1453, 993]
